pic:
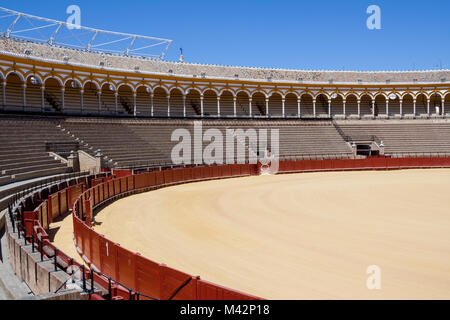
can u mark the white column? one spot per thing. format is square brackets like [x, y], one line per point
[428, 107]
[151, 104]
[42, 98]
[63, 100]
[201, 105]
[283, 107]
[99, 100]
[24, 96]
[443, 106]
[359, 108]
[401, 107]
[387, 107]
[299, 108]
[168, 105]
[314, 107]
[373, 108]
[250, 107]
[218, 106]
[329, 108]
[267, 107]
[4, 93]
[116, 102]
[414, 107]
[235, 106]
[134, 103]
[184, 105]
[82, 100]
[343, 110]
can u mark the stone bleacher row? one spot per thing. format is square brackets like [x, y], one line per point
[409, 137]
[22, 150]
[147, 65]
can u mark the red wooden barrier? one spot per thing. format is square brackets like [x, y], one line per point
[125, 267]
[176, 285]
[108, 257]
[168, 176]
[147, 277]
[210, 291]
[159, 177]
[95, 255]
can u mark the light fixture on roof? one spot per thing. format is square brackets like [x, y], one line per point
[111, 87]
[27, 52]
[269, 79]
[66, 58]
[334, 96]
[170, 71]
[102, 64]
[236, 76]
[33, 80]
[388, 81]
[203, 74]
[74, 84]
[136, 68]
[392, 96]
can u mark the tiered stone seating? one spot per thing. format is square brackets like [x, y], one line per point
[405, 136]
[22, 151]
[116, 140]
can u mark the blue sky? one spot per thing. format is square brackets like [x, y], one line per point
[321, 34]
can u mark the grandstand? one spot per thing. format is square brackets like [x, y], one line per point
[108, 117]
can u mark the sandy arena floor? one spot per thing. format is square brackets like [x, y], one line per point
[302, 236]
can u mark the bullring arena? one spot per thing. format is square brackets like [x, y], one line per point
[300, 236]
[95, 207]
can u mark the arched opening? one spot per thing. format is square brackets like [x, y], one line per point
[176, 103]
[380, 106]
[160, 103]
[227, 104]
[52, 96]
[408, 105]
[322, 106]
[193, 104]
[14, 92]
[90, 99]
[436, 105]
[306, 104]
[366, 105]
[72, 97]
[210, 104]
[125, 100]
[143, 102]
[351, 105]
[275, 105]
[447, 104]
[242, 104]
[394, 106]
[291, 105]
[258, 104]
[337, 106]
[108, 101]
[421, 105]
[34, 94]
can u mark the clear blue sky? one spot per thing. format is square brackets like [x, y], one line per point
[320, 34]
